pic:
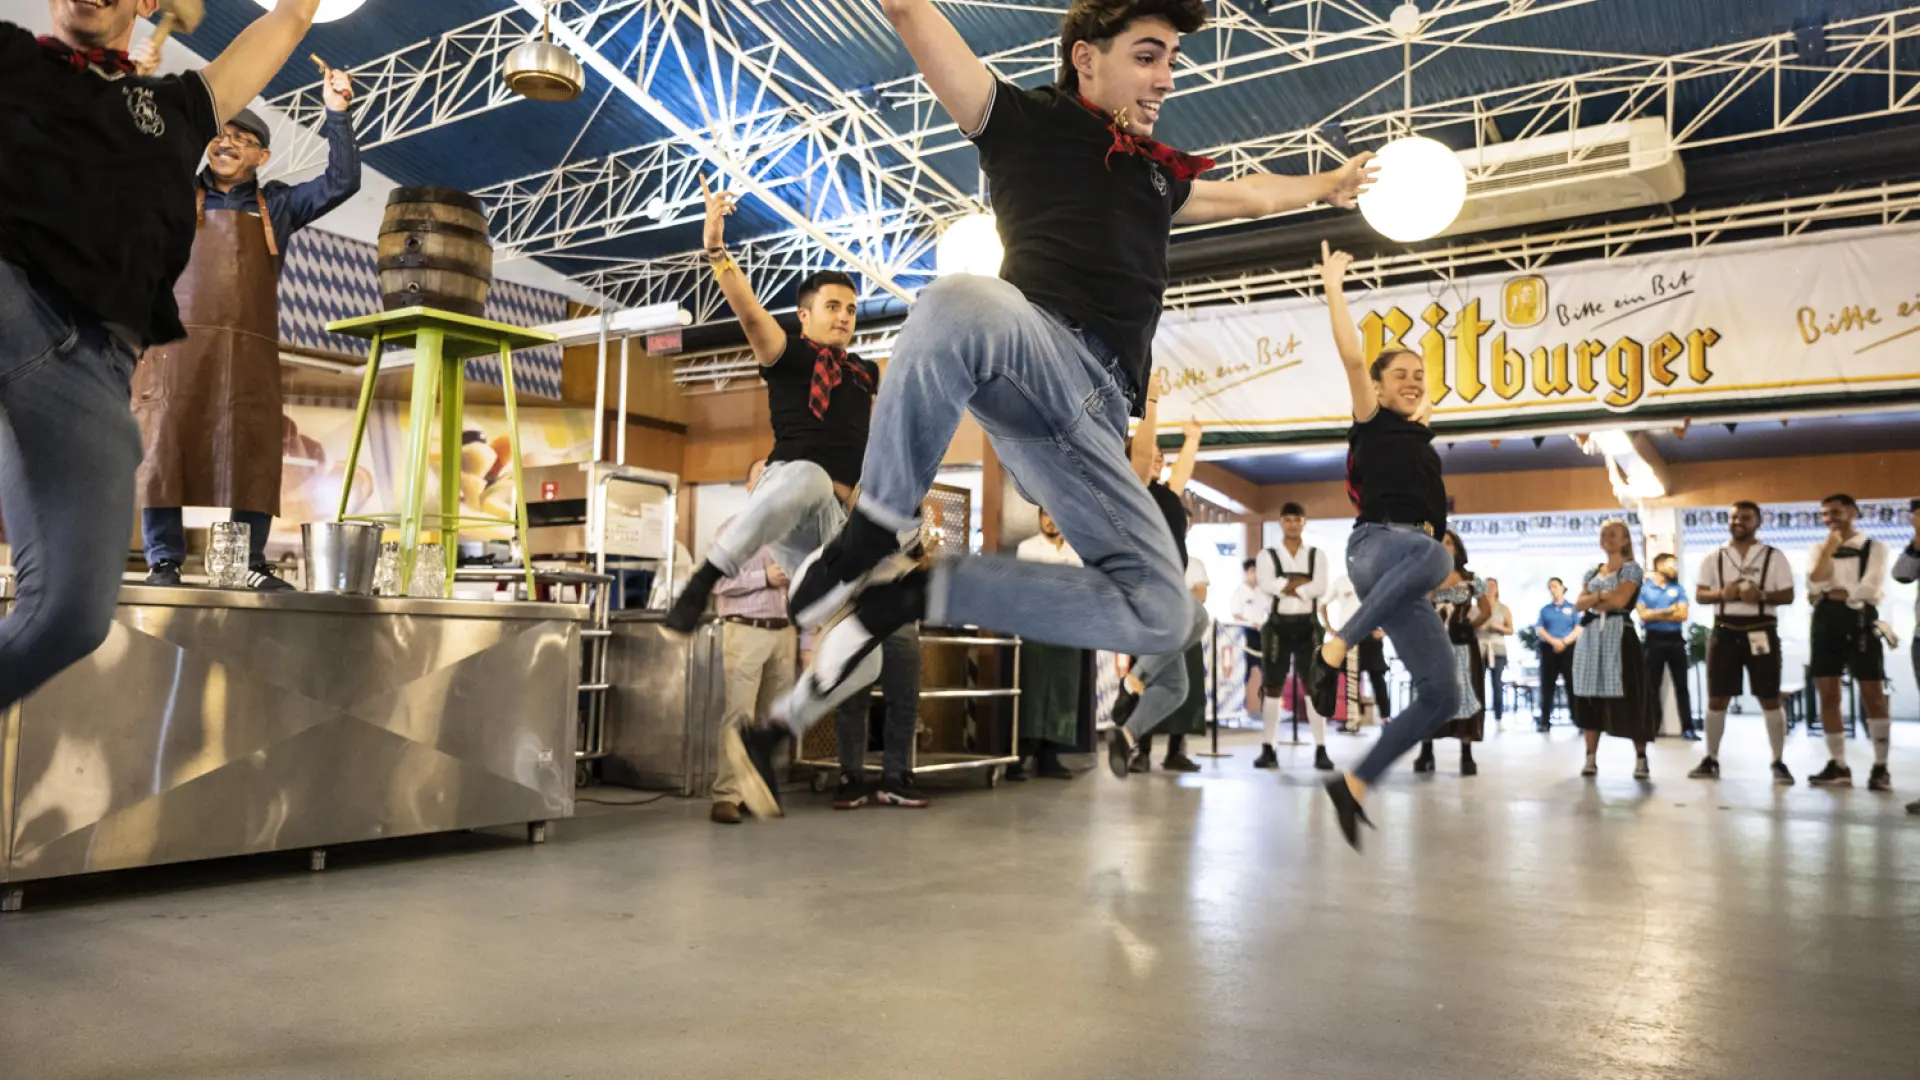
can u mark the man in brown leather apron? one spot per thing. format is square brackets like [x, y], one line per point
[209, 407]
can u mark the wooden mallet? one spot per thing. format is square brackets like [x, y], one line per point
[181, 16]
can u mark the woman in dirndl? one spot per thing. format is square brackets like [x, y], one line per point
[1463, 605]
[1609, 676]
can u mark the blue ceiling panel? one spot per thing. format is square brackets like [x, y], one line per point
[849, 44]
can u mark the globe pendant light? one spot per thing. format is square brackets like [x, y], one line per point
[1419, 192]
[970, 245]
[329, 9]
[1422, 185]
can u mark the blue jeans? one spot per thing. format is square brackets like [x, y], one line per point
[792, 511]
[1050, 398]
[68, 450]
[163, 532]
[900, 693]
[1393, 568]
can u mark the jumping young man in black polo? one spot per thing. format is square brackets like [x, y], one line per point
[96, 222]
[1051, 357]
[819, 397]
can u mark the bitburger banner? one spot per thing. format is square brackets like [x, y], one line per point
[1688, 333]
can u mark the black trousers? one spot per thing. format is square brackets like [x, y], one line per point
[1554, 666]
[1667, 650]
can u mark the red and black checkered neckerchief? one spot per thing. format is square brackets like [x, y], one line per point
[1182, 166]
[106, 59]
[830, 365]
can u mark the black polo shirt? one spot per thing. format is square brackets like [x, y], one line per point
[1085, 231]
[836, 441]
[1393, 472]
[96, 184]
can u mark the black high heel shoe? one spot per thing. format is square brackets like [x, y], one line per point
[1352, 814]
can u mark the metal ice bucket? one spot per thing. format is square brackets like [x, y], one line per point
[341, 556]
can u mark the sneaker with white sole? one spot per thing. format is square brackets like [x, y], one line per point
[1879, 779]
[1708, 769]
[901, 791]
[1782, 776]
[829, 579]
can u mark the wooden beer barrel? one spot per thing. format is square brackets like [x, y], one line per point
[434, 251]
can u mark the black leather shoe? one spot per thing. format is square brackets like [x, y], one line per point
[1179, 763]
[1468, 766]
[687, 608]
[1320, 759]
[1120, 746]
[165, 573]
[1267, 759]
[1352, 815]
[1424, 763]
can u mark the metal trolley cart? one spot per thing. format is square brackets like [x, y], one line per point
[943, 650]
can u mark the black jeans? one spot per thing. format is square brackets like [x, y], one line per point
[1667, 649]
[1554, 666]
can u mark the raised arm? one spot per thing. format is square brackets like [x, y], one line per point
[1265, 194]
[959, 81]
[1346, 336]
[251, 61]
[300, 205]
[1189, 454]
[1147, 436]
[764, 334]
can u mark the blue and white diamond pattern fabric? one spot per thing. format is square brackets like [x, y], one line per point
[329, 277]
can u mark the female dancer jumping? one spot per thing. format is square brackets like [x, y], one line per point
[1394, 480]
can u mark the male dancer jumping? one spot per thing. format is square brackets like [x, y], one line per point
[1050, 358]
[96, 221]
[819, 396]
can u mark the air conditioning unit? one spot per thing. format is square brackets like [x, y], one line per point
[1578, 173]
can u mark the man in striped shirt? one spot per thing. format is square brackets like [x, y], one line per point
[761, 651]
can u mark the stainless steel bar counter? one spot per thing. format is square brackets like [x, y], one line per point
[215, 723]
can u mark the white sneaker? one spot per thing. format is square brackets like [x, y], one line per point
[846, 661]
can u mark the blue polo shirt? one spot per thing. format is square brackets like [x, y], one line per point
[1558, 620]
[1661, 597]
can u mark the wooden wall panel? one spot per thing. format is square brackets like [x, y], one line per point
[1887, 475]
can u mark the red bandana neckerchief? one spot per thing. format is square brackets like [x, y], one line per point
[1183, 166]
[830, 365]
[111, 60]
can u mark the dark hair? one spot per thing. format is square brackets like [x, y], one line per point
[812, 282]
[1100, 21]
[1843, 500]
[1378, 369]
[1665, 556]
[1556, 581]
[1293, 509]
[1459, 550]
[1745, 504]
[1250, 564]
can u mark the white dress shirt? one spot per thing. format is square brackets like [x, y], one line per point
[1274, 583]
[1845, 572]
[1778, 575]
[1249, 605]
[1037, 548]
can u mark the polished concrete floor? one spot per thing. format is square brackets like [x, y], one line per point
[1524, 924]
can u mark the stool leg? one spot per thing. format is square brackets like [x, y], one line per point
[453, 409]
[359, 427]
[426, 378]
[519, 476]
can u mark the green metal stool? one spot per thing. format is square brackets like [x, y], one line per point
[443, 342]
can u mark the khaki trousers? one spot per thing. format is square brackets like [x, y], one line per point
[760, 670]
